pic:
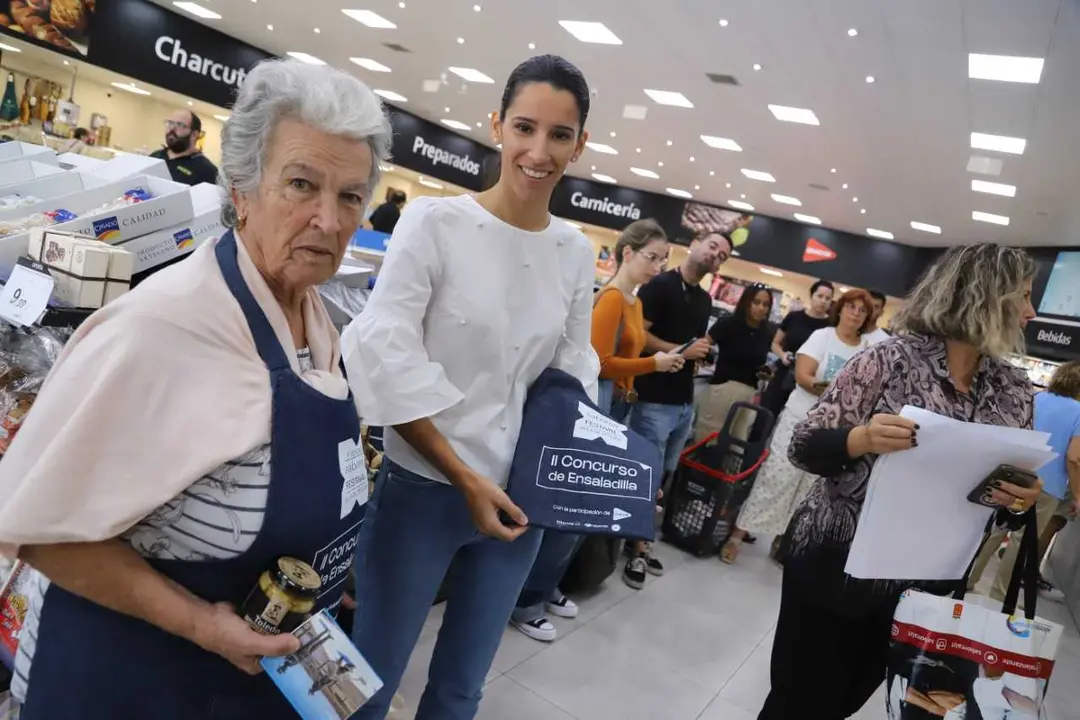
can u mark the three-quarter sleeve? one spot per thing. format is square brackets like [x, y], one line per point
[819, 443]
[606, 318]
[575, 354]
[391, 373]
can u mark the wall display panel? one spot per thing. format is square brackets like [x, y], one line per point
[61, 25]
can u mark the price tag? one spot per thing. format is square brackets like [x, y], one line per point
[26, 294]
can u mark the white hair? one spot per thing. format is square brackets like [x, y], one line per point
[317, 95]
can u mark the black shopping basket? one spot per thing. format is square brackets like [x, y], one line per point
[712, 482]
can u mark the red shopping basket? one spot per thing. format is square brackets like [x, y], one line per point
[713, 479]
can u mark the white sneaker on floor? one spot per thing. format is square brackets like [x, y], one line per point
[564, 607]
[540, 629]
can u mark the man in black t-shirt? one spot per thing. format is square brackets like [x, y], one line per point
[795, 329]
[676, 311]
[186, 163]
[386, 216]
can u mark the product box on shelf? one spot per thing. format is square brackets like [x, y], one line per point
[129, 165]
[83, 163]
[14, 151]
[88, 273]
[48, 192]
[19, 171]
[160, 247]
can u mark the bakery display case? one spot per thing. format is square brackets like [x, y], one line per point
[1038, 370]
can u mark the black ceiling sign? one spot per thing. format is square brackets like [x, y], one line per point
[157, 46]
[433, 150]
[1052, 340]
[612, 206]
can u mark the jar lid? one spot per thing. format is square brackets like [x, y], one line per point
[297, 577]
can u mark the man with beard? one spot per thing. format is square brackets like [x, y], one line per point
[676, 311]
[186, 164]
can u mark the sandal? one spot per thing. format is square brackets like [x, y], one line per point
[730, 552]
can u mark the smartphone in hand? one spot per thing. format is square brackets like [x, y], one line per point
[983, 492]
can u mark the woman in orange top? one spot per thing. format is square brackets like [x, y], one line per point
[618, 326]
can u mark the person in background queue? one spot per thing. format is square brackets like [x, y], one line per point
[676, 311]
[78, 142]
[385, 217]
[181, 153]
[442, 358]
[618, 336]
[142, 549]
[795, 329]
[878, 333]
[951, 359]
[742, 340]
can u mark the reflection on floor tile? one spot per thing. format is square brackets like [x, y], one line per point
[692, 645]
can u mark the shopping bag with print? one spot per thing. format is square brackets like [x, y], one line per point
[962, 661]
[577, 470]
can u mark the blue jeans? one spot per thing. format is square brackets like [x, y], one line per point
[668, 426]
[414, 528]
[615, 408]
[542, 586]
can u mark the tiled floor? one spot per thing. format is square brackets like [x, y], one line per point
[692, 645]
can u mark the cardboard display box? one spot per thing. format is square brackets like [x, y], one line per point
[20, 171]
[15, 151]
[88, 273]
[52, 190]
[160, 247]
[83, 163]
[129, 165]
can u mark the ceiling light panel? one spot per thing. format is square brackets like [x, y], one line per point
[391, 96]
[668, 97]
[369, 64]
[989, 218]
[926, 227]
[740, 205]
[130, 87]
[794, 115]
[787, 200]
[770, 271]
[222, 118]
[1005, 68]
[602, 148]
[431, 184]
[604, 178]
[644, 173]
[371, 19]
[197, 10]
[721, 143]
[679, 193]
[590, 32]
[758, 175]
[998, 143]
[993, 188]
[984, 165]
[808, 219]
[456, 124]
[304, 57]
[471, 75]
[884, 235]
[635, 112]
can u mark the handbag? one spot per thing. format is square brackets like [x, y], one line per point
[964, 661]
[576, 470]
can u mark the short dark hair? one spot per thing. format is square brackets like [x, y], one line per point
[877, 295]
[701, 235]
[398, 197]
[853, 296]
[557, 72]
[820, 284]
[1066, 380]
[80, 133]
[742, 307]
[196, 122]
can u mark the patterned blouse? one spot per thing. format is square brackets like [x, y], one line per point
[906, 370]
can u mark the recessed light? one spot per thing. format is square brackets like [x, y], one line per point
[852, 32]
[758, 175]
[456, 124]
[723, 22]
[721, 143]
[670, 143]
[697, 187]
[993, 188]
[604, 178]
[602, 148]
[854, 199]
[844, 186]
[756, 66]
[660, 164]
[590, 32]
[1006, 68]
[270, 28]
[926, 227]
[712, 173]
[862, 211]
[431, 184]
[479, 124]
[461, 41]
[807, 219]
[222, 118]
[369, 64]
[594, 167]
[644, 173]
[794, 115]
[787, 200]
[391, 95]
[190, 104]
[669, 97]
[371, 19]
[197, 10]
[317, 31]
[11, 48]
[532, 46]
[477, 8]
[612, 133]
[739, 205]
[989, 218]
[743, 196]
[130, 87]
[869, 78]
[999, 143]
[304, 57]
[884, 235]
[639, 149]
[727, 185]
[691, 158]
[471, 75]
[446, 110]
[679, 193]
[770, 271]
[401, 5]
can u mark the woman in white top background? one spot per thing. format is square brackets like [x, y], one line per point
[780, 486]
[478, 296]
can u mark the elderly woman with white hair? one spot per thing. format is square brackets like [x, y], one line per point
[198, 430]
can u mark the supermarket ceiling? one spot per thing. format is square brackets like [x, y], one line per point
[884, 154]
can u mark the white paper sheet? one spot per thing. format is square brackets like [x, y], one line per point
[916, 522]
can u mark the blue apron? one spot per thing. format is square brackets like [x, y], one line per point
[95, 664]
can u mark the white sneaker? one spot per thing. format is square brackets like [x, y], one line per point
[564, 607]
[540, 629]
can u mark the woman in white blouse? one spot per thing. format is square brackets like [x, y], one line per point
[479, 294]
